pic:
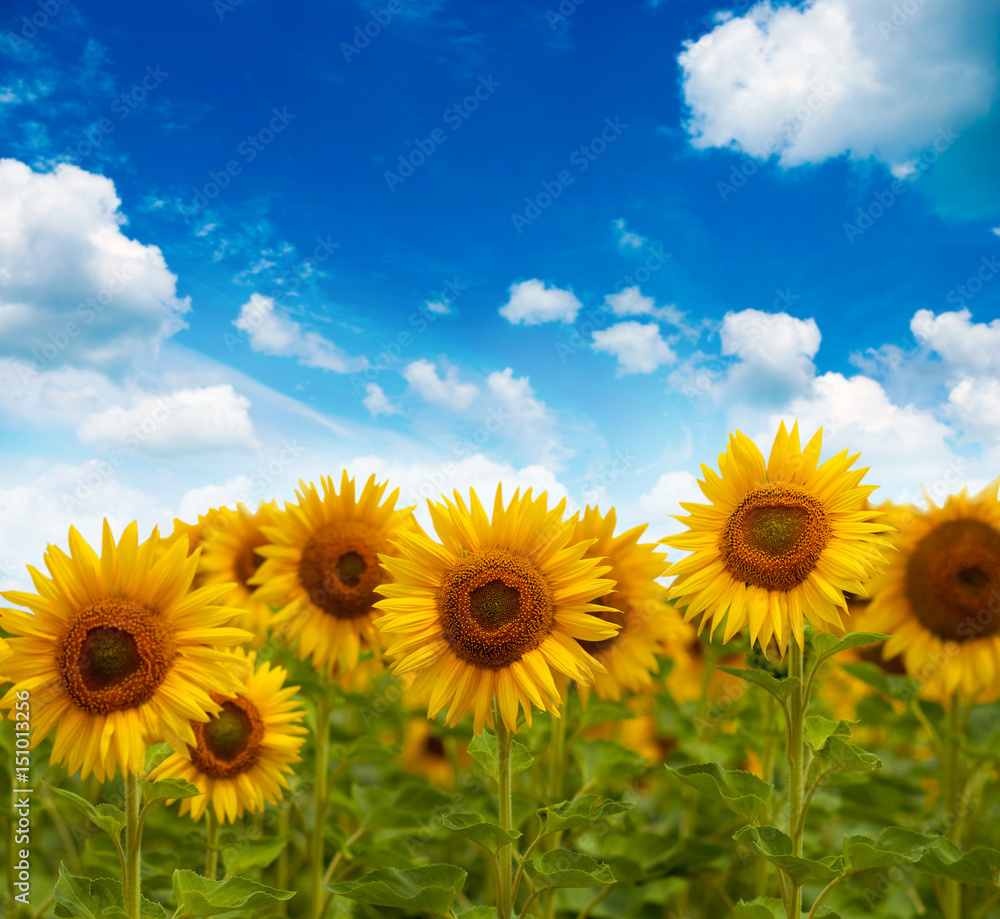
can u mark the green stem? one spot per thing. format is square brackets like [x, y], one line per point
[132, 881]
[505, 856]
[211, 844]
[317, 852]
[284, 809]
[794, 752]
[769, 707]
[557, 766]
[953, 787]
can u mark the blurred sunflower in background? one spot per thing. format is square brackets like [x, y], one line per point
[229, 556]
[495, 609]
[940, 596]
[4, 650]
[241, 756]
[638, 604]
[120, 652]
[321, 564]
[779, 543]
[193, 531]
[427, 751]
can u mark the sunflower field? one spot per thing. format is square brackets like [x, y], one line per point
[322, 708]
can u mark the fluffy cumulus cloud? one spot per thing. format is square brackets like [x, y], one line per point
[377, 402]
[631, 302]
[663, 502]
[516, 395]
[826, 78]
[188, 421]
[447, 390]
[197, 501]
[41, 510]
[774, 352]
[639, 347]
[270, 331]
[532, 303]
[74, 288]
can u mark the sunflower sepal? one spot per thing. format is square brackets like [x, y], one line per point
[781, 689]
[106, 817]
[490, 836]
[199, 896]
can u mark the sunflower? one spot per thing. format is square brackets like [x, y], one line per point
[193, 531]
[638, 604]
[120, 652]
[426, 752]
[5, 650]
[229, 556]
[496, 609]
[322, 565]
[240, 756]
[940, 596]
[692, 674]
[779, 543]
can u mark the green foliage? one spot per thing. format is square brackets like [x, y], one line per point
[431, 889]
[741, 792]
[198, 896]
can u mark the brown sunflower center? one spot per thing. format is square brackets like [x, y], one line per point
[340, 570]
[495, 607]
[434, 747]
[228, 743]
[594, 647]
[775, 537]
[247, 562]
[953, 580]
[114, 654]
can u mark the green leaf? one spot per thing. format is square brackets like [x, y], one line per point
[600, 711]
[96, 898]
[167, 789]
[780, 689]
[198, 896]
[826, 645]
[818, 730]
[894, 846]
[366, 749]
[565, 868]
[483, 749]
[840, 755]
[892, 685]
[582, 811]
[481, 831]
[742, 792]
[431, 889]
[760, 909]
[156, 754]
[605, 761]
[252, 853]
[105, 816]
[977, 866]
[776, 847]
[478, 912]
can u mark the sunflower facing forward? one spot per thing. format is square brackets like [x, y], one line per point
[119, 652]
[940, 596]
[496, 609]
[229, 556]
[638, 605]
[780, 542]
[241, 755]
[322, 566]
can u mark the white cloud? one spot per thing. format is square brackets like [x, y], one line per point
[41, 511]
[662, 502]
[448, 391]
[775, 353]
[516, 394]
[199, 500]
[272, 332]
[638, 346]
[183, 422]
[377, 402]
[626, 238]
[631, 302]
[74, 289]
[976, 403]
[969, 347]
[531, 302]
[439, 307]
[833, 77]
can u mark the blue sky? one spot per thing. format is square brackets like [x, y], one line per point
[569, 245]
